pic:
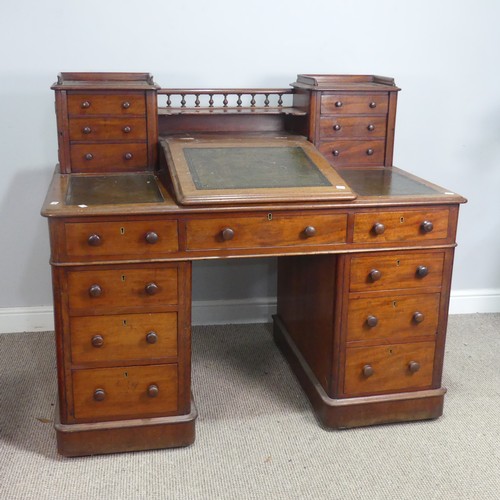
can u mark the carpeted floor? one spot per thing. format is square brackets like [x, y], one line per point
[257, 437]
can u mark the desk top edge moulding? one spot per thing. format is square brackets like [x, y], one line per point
[151, 179]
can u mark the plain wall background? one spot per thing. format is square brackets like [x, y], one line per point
[443, 54]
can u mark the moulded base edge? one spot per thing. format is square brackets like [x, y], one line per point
[74, 440]
[359, 411]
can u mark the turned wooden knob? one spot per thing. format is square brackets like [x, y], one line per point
[338, 104]
[427, 226]
[371, 127]
[372, 321]
[99, 395]
[375, 274]
[151, 288]
[422, 271]
[227, 234]
[125, 105]
[151, 237]
[153, 391]
[127, 129]
[85, 104]
[378, 228]
[373, 104]
[86, 130]
[128, 156]
[89, 156]
[310, 231]
[151, 337]
[418, 317]
[335, 152]
[370, 151]
[337, 127]
[413, 366]
[368, 371]
[95, 290]
[94, 240]
[97, 340]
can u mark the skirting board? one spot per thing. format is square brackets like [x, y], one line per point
[218, 312]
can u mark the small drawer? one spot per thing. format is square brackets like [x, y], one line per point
[394, 317]
[94, 157]
[123, 337]
[400, 225]
[372, 370]
[134, 391]
[396, 270]
[143, 238]
[105, 129]
[367, 127]
[97, 289]
[354, 103]
[341, 152]
[106, 104]
[266, 231]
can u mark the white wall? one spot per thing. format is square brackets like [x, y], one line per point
[443, 54]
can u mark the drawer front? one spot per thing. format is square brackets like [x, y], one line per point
[102, 289]
[404, 225]
[133, 103]
[123, 337]
[252, 232]
[142, 238]
[396, 270]
[354, 152]
[367, 127]
[372, 370]
[354, 103]
[92, 157]
[134, 391]
[394, 317]
[105, 129]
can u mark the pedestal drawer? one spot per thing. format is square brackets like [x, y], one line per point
[364, 103]
[123, 337]
[367, 127]
[99, 129]
[392, 317]
[354, 152]
[107, 393]
[372, 370]
[101, 290]
[396, 270]
[92, 103]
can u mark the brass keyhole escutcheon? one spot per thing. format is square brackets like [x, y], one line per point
[125, 374]
[390, 351]
[394, 303]
[401, 220]
[398, 263]
[123, 277]
[269, 216]
[122, 230]
[124, 322]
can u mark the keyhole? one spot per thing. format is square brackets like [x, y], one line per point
[398, 263]
[122, 230]
[394, 304]
[269, 216]
[401, 220]
[390, 351]
[123, 277]
[125, 374]
[124, 322]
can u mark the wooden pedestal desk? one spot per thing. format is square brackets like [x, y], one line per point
[364, 264]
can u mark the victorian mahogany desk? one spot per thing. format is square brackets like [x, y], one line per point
[150, 179]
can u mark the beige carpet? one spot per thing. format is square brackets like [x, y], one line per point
[257, 437]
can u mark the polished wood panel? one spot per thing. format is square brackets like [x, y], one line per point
[123, 337]
[390, 368]
[144, 238]
[105, 129]
[397, 270]
[92, 103]
[266, 231]
[125, 392]
[362, 103]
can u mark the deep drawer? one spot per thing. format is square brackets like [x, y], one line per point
[106, 104]
[366, 127]
[404, 225]
[365, 103]
[393, 317]
[341, 152]
[92, 157]
[373, 370]
[396, 270]
[96, 289]
[105, 129]
[252, 232]
[134, 391]
[123, 337]
[144, 238]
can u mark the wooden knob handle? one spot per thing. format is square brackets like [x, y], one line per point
[95, 290]
[335, 152]
[418, 317]
[372, 321]
[151, 337]
[370, 151]
[86, 130]
[94, 240]
[368, 371]
[97, 340]
[337, 127]
[310, 231]
[413, 366]
[422, 271]
[151, 288]
[85, 104]
[427, 226]
[371, 127]
[151, 237]
[378, 228]
[339, 104]
[227, 234]
[153, 391]
[373, 105]
[128, 156]
[375, 274]
[89, 156]
[127, 129]
[99, 395]
[125, 105]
